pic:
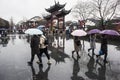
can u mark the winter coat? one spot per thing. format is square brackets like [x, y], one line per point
[34, 44]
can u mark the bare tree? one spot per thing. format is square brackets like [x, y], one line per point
[105, 10]
[83, 10]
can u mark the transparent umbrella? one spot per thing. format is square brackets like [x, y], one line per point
[33, 31]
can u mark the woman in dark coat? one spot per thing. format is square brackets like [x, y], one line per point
[104, 48]
[34, 47]
[77, 46]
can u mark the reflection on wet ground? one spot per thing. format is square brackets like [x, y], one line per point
[4, 41]
[90, 65]
[41, 75]
[76, 70]
[14, 58]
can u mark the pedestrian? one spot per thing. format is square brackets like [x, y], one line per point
[104, 48]
[92, 43]
[34, 44]
[77, 45]
[43, 49]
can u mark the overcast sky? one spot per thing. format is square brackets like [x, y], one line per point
[17, 9]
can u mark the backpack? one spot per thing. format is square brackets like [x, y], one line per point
[46, 41]
[101, 52]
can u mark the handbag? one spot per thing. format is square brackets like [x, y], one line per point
[101, 52]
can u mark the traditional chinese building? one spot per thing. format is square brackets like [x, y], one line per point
[56, 19]
[57, 12]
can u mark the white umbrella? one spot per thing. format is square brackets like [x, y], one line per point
[33, 31]
[79, 32]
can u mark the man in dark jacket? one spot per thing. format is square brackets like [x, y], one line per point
[34, 47]
[104, 48]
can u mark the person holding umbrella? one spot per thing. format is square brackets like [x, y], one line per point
[34, 44]
[77, 46]
[104, 48]
[43, 49]
[92, 43]
[77, 43]
[92, 38]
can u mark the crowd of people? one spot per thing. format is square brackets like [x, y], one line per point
[38, 47]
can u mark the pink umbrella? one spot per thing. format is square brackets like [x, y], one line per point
[110, 32]
[79, 32]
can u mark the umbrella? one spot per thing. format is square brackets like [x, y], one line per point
[93, 31]
[110, 32]
[41, 27]
[79, 33]
[33, 31]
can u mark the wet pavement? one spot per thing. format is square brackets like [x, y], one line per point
[15, 53]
